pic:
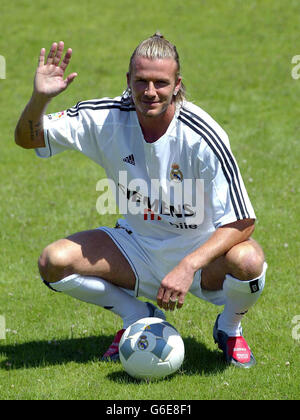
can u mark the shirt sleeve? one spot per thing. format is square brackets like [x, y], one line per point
[54, 123]
[71, 130]
[226, 195]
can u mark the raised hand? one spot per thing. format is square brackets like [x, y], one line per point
[50, 77]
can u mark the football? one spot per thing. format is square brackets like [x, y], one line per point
[151, 348]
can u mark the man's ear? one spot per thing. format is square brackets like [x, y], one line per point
[177, 85]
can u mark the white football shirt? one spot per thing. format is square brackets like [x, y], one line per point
[174, 193]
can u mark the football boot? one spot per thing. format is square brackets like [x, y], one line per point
[235, 349]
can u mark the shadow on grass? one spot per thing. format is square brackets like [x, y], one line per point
[48, 353]
[198, 358]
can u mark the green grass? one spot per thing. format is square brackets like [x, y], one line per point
[236, 61]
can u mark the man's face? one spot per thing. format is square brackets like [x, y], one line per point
[153, 83]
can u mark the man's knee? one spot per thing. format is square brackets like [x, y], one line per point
[55, 262]
[245, 260]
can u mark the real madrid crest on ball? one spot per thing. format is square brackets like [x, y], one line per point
[143, 342]
[176, 174]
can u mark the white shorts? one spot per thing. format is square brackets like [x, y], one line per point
[148, 275]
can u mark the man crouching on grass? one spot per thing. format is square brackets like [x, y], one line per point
[151, 132]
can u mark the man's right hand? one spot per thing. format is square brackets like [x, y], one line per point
[49, 81]
[49, 78]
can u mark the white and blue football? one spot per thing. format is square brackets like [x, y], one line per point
[151, 348]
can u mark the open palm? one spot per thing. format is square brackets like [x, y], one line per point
[50, 76]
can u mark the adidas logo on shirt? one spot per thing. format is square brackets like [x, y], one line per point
[129, 159]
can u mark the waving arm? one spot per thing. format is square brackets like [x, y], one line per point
[49, 82]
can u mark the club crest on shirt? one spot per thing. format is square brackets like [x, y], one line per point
[176, 174]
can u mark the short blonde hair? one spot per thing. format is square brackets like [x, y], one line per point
[157, 47]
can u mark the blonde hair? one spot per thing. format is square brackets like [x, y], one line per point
[157, 47]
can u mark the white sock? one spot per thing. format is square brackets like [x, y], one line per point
[239, 297]
[100, 292]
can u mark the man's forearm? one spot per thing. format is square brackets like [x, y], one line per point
[29, 132]
[222, 240]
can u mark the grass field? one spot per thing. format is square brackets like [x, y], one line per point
[236, 62]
